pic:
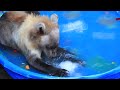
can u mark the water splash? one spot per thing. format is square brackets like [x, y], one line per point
[71, 67]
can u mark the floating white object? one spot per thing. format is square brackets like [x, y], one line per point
[71, 67]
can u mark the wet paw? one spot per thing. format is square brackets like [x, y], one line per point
[60, 73]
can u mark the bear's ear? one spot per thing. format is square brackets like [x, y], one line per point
[54, 18]
[16, 16]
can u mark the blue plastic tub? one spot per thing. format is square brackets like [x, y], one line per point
[93, 35]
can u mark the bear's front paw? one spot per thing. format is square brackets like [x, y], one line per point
[60, 73]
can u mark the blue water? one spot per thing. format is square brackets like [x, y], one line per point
[93, 35]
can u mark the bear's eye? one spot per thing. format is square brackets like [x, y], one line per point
[41, 31]
[40, 28]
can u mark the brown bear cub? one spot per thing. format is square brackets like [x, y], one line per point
[33, 34]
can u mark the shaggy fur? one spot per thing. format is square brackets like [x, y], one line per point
[33, 35]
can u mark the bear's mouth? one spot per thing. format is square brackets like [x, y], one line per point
[51, 47]
[50, 52]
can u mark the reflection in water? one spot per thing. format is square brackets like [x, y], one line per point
[100, 64]
[107, 20]
[71, 14]
[103, 35]
[78, 26]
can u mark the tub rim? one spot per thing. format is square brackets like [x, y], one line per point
[29, 74]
